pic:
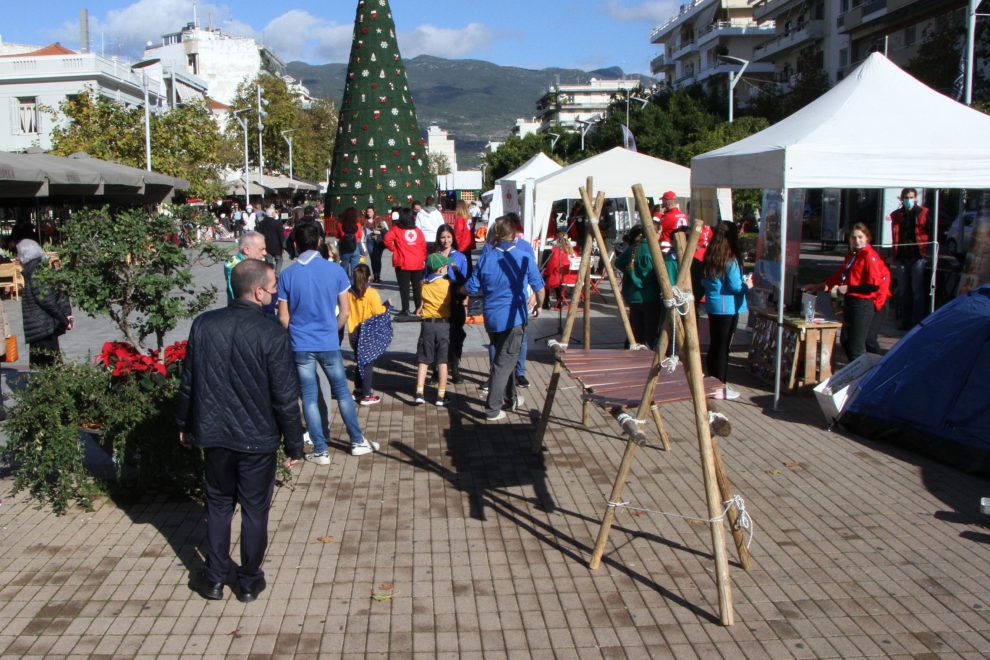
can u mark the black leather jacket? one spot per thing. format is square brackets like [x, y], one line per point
[44, 308]
[239, 388]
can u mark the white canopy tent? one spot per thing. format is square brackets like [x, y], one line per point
[537, 166]
[878, 128]
[613, 171]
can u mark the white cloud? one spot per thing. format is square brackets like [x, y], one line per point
[298, 35]
[445, 42]
[654, 11]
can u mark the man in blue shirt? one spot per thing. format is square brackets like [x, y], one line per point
[500, 278]
[313, 307]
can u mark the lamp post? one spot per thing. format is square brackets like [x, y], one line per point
[247, 179]
[288, 141]
[553, 142]
[586, 127]
[262, 104]
[734, 77]
[147, 122]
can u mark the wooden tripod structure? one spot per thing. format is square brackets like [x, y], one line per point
[717, 488]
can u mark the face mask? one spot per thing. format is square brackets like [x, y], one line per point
[271, 308]
[908, 203]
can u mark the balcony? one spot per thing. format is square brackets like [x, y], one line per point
[684, 48]
[722, 68]
[864, 13]
[686, 79]
[659, 63]
[687, 10]
[720, 29]
[805, 32]
[772, 8]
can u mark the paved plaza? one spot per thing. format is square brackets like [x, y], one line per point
[455, 541]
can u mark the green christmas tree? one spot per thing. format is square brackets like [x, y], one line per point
[380, 157]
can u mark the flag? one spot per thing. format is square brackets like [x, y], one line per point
[959, 83]
[628, 141]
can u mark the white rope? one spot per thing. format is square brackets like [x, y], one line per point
[679, 301]
[744, 521]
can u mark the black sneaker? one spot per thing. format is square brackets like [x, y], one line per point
[522, 381]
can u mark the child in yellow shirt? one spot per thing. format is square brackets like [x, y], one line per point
[364, 303]
[434, 334]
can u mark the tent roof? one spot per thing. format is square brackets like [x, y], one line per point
[878, 128]
[534, 168]
[614, 172]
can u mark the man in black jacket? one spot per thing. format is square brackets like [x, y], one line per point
[238, 395]
[309, 218]
[274, 232]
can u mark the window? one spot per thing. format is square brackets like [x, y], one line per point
[843, 58]
[26, 118]
[910, 35]
[192, 61]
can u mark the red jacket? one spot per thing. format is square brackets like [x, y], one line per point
[463, 240]
[703, 240]
[670, 222]
[558, 269]
[408, 248]
[922, 233]
[864, 267]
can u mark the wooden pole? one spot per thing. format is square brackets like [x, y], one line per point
[696, 382]
[658, 420]
[725, 490]
[565, 340]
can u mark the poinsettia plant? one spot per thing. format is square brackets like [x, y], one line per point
[125, 361]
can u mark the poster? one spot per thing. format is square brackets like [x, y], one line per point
[831, 201]
[768, 245]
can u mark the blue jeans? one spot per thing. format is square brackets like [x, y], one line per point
[349, 261]
[333, 366]
[520, 369]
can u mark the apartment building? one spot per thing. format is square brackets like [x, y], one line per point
[695, 40]
[802, 27]
[37, 80]
[570, 105]
[222, 60]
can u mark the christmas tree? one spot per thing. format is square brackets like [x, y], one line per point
[380, 157]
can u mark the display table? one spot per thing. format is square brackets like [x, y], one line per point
[807, 354]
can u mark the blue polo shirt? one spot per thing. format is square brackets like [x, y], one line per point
[310, 286]
[500, 277]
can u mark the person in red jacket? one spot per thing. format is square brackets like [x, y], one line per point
[463, 236]
[865, 282]
[672, 218]
[911, 237]
[557, 271]
[408, 247]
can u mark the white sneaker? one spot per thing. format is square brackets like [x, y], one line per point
[729, 394]
[501, 415]
[307, 443]
[364, 447]
[321, 458]
[518, 403]
[441, 403]
[420, 400]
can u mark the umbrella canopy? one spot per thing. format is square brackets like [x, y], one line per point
[21, 179]
[63, 172]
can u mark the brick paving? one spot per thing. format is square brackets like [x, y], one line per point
[454, 541]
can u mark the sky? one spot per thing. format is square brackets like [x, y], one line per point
[533, 34]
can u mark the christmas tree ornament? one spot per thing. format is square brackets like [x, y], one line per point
[361, 127]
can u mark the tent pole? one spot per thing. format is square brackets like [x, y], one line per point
[780, 299]
[934, 238]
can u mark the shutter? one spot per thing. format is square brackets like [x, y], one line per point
[15, 116]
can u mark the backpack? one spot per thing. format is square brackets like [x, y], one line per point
[347, 243]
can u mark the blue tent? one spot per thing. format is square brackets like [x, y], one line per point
[931, 392]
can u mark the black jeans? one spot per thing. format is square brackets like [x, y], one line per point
[366, 383]
[407, 278]
[645, 321]
[249, 480]
[458, 317]
[857, 318]
[377, 250]
[721, 327]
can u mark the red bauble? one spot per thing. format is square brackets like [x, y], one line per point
[374, 85]
[364, 127]
[364, 30]
[395, 152]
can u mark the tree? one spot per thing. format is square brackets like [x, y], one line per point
[126, 266]
[512, 153]
[185, 142]
[939, 62]
[439, 164]
[379, 158]
[282, 115]
[312, 143]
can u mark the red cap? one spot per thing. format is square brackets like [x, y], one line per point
[669, 195]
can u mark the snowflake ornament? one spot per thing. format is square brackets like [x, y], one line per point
[365, 73]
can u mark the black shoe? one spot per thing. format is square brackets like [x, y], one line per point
[456, 378]
[206, 589]
[251, 595]
[433, 378]
[522, 381]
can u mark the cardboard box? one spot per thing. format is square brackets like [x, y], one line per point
[835, 393]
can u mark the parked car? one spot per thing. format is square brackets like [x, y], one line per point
[960, 232]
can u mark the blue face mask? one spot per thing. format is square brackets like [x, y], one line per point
[908, 203]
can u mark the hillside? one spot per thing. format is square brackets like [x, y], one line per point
[473, 100]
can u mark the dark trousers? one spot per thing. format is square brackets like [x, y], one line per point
[857, 317]
[377, 250]
[645, 321]
[458, 317]
[721, 327]
[366, 383]
[502, 387]
[407, 278]
[872, 344]
[245, 479]
[44, 352]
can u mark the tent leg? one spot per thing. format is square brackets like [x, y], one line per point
[933, 286]
[658, 420]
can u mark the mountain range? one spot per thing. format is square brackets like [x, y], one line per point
[474, 101]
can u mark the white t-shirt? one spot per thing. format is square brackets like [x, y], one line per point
[429, 222]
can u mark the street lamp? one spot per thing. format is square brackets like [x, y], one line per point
[584, 131]
[553, 142]
[147, 112]
[262, 104]
[288, 140]
[247, 179]
[641, 100]
[734, 77]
